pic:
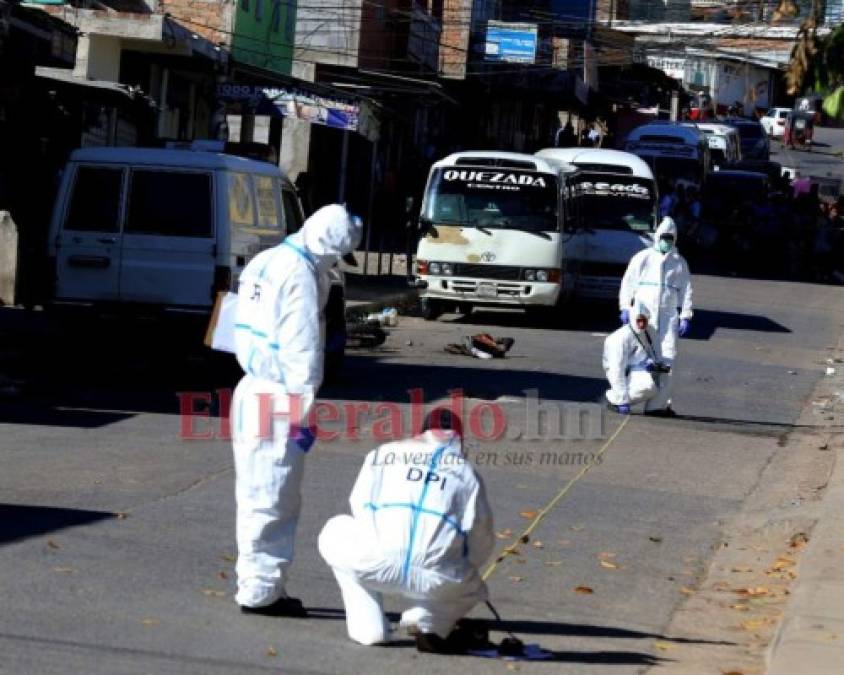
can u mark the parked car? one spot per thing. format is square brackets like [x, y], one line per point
[754, 140]
[161, 230]
[774, 121]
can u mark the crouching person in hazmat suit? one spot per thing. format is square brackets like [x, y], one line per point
[659, 278]
[279, 336]
[633, 365]
[420, 528]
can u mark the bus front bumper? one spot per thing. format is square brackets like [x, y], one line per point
[489, 291]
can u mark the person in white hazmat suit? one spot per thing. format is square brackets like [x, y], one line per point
[659, 278]
[632, 364]
[420, 528]
[279, 341]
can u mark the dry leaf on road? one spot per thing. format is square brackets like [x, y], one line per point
[64, 570]
[272, 651]
[606, 564]
[687, 590]
[528, 514]
[517, 579]
[150, 622]
[664, 646]
[583, 590]
[742, 568]
[538, 544]
[52, 544]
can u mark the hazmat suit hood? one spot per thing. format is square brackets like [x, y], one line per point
[667, 226]
[329, 234]
[639, 309]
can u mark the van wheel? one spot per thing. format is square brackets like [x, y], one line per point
[431, 309]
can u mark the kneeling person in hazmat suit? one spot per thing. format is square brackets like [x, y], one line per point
[279, 338]
[633, 365]
[420, 528]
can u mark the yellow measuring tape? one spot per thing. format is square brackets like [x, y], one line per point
[523, 537]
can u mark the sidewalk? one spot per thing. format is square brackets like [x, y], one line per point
[810, 639]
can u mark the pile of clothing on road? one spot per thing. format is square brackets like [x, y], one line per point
[482, 346]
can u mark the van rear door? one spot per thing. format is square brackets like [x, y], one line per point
[169, 249]
[88, 240]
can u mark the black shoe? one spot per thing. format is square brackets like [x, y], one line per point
[667, 412]
[287, 607]
[467, 634]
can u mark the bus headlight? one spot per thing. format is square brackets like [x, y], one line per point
[448, 269]
[434, 268]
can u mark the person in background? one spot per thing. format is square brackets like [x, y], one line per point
[659, 278]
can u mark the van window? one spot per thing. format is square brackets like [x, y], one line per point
[292, 211]
[171, 203]
[241, 201]
[95, 203]
[266, 191]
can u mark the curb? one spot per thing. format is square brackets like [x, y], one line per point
[810, 640]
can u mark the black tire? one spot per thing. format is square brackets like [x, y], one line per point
[431, 309]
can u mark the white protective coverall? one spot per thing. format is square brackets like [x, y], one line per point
[420, 527]
[626, 354]
[662, 282]
[279, 344]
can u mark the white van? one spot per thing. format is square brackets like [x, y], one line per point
[164, 228]
[724, 143]
[614, 197]
[493, 234]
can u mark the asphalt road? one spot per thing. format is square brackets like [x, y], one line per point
[117, 539]
[825, 159]
[116, 532]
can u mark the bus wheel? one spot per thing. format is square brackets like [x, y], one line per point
[431, 309]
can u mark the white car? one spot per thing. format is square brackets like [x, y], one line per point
[774, 121]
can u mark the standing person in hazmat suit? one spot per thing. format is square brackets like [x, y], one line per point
[420, 528]
[633, 365]
[659, 278]
[279, 338]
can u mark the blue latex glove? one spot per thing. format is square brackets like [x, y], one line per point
[303, 436]
[624, 409]
[649, 365]
[625, 317]
[685, 324]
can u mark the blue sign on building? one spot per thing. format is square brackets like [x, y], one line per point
[511, 42]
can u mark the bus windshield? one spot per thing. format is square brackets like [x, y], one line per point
[493, 198]
[613, 202]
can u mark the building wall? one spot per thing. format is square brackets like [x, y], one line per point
[454, 47]
[328, 31]
[660, 10]
[212, 19]
[264, 33]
